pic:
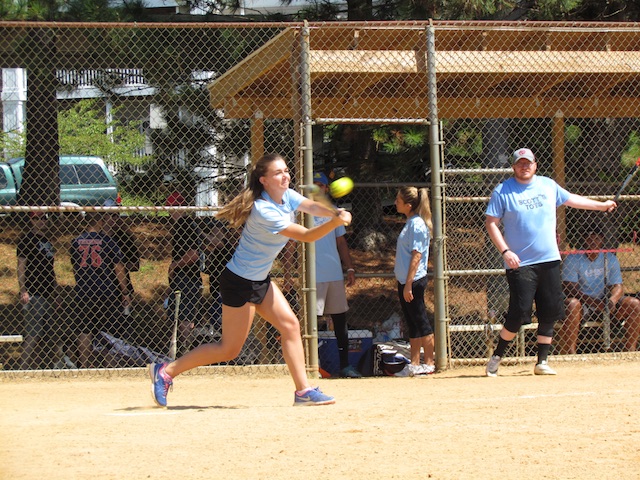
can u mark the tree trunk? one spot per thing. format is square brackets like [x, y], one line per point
[40, 178]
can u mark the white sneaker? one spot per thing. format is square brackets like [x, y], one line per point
[492, 367]
[428, 369]
[543, 368]
[415, 370]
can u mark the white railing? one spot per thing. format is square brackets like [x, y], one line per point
[91, 78]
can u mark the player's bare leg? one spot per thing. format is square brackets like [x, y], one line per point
[236, 324]
[276, 310]
[428, 345]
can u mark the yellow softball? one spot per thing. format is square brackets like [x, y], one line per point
[341, 187]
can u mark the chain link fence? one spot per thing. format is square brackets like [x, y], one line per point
[142, 113]
[548, 95]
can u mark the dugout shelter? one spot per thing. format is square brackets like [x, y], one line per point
[488, 73]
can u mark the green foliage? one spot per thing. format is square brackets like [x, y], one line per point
[572, 134]
[632, 152]
[131, 200]
[380, 135]
[467, 143]
[612, 10]
[13, 10]
[321, 10]
[553, 9]
[471, 10]
[61, 10]
[83, 131]
[92, 10]
[396, 140]
[13, 144]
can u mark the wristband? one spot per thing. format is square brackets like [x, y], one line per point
[350, 270]
[505, 251]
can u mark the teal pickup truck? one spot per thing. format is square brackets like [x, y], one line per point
[84, 181]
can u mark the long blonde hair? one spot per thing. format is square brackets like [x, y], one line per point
[237, 210]
[418, 198]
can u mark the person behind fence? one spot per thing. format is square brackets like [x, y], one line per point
[526, 206]
[332, 252]
[412, 255]
[115, 227]
[265, 211]
[218, 246]
[591, 288]
[38, 285]
[184, 270]
[100, 293]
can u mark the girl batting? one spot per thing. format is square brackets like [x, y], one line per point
[266, 209]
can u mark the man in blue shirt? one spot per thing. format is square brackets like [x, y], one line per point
[526, 205]
[587, 284]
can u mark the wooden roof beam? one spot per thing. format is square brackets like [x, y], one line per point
[611, 81]
[243, 74]
[349, 88]
[468, 62]
[448, 107]
[550, 82]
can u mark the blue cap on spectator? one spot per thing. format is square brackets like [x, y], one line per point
[320, 177]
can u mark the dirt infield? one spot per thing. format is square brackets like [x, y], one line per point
[583, 423]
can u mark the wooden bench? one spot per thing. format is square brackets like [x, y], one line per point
[10, 338]
[7, 339]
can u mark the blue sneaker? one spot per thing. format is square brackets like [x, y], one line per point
[313, 397]
[159, 386]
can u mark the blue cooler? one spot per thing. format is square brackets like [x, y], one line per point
[359, 342]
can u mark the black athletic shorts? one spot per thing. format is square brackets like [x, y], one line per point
[415, 312]
[236, 290]
[541, 283]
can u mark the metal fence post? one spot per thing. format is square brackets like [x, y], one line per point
[310, 248]
[436, 202]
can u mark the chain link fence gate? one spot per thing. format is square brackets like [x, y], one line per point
[186, 108]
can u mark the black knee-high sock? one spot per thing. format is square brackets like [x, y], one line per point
[543, 351]
[502, 346]
[342, 337]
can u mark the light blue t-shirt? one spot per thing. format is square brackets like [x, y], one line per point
[528, 213]
[260, 241]
[590, 275]
[328, 264]
[414, 236]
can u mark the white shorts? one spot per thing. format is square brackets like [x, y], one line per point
[331, 297]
